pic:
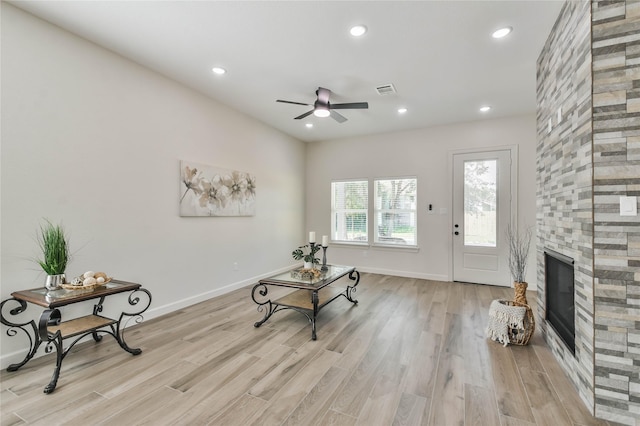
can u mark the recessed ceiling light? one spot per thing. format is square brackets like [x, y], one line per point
[402, 110]
[358, 30]
[309, 125]
[502, 32]
[218, 70]
[485, 108]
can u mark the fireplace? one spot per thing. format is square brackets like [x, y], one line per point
[560, 306]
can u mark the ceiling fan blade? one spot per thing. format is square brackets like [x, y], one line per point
[351, 105]
[323, 95]
[291, 102]
[304, 115]
[337, 116]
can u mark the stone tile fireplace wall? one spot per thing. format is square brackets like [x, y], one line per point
[564, 196]
[588, 125]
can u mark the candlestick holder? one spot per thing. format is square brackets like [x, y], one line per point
[324, 259]
[313, 251]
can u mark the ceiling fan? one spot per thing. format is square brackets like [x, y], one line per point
[323, 108]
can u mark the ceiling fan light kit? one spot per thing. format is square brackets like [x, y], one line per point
[323, 108]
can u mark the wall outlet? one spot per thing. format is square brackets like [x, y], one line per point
[235, 266]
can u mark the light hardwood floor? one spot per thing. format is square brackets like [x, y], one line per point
[412, 352]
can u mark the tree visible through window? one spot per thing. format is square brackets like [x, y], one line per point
[395, 211]
[349, 211]
[480, 203]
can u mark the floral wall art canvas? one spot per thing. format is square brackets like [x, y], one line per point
[214, 191]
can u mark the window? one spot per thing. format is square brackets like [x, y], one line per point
[395, 211]
[349, 211]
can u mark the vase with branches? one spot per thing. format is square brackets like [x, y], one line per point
[519, 243]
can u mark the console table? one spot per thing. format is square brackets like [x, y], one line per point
[51, 330]
[311, 295]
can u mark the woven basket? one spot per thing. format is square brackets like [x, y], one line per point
[521, 337]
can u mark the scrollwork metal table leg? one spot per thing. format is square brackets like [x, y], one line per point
[262, 290]
[97, 308]
[32, 334]
[118, 331]
[353, 276]
[57, 342]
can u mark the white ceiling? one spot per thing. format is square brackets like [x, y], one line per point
[439, 55]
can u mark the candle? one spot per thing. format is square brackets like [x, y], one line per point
[325, 241]
[312, 237]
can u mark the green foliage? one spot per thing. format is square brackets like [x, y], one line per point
[308, 257]
[479, 188]
[55, 248]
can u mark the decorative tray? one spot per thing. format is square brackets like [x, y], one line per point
[307, 274]
[84, 287]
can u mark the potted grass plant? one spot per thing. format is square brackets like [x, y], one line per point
[54, 245]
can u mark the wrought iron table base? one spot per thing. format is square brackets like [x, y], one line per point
[50, 320]
[310, 311]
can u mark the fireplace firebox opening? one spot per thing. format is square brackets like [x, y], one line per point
[560, 302]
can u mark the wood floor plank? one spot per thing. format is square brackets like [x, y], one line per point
[410, 410]
[510, 393]
[545, 404]
[476, 354]
[288, 397]
[382, 404]
[240, 412]
[317, 400]
[480, 406]
[421, 376]
[285, 371]
[357, 386]
[333, 418]
[567, 394]
[412, 352]
[447, 406]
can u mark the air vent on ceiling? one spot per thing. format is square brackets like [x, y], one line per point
[386, 89]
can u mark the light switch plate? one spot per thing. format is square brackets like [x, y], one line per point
[628, 206]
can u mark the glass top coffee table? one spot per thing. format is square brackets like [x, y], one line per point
[313, 291]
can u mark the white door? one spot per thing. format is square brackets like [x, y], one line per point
[481, 212]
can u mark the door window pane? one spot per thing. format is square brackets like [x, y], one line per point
[480, 196]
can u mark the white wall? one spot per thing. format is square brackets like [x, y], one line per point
[93, 140]
[424, 153]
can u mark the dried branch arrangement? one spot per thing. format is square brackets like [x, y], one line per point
[518, 252]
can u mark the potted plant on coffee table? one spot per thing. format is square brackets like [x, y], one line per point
[54, 245]
[309, 258]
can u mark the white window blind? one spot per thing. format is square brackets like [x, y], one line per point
[395, 211]
[349, 210]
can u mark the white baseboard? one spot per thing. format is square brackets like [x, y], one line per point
[405, 274]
